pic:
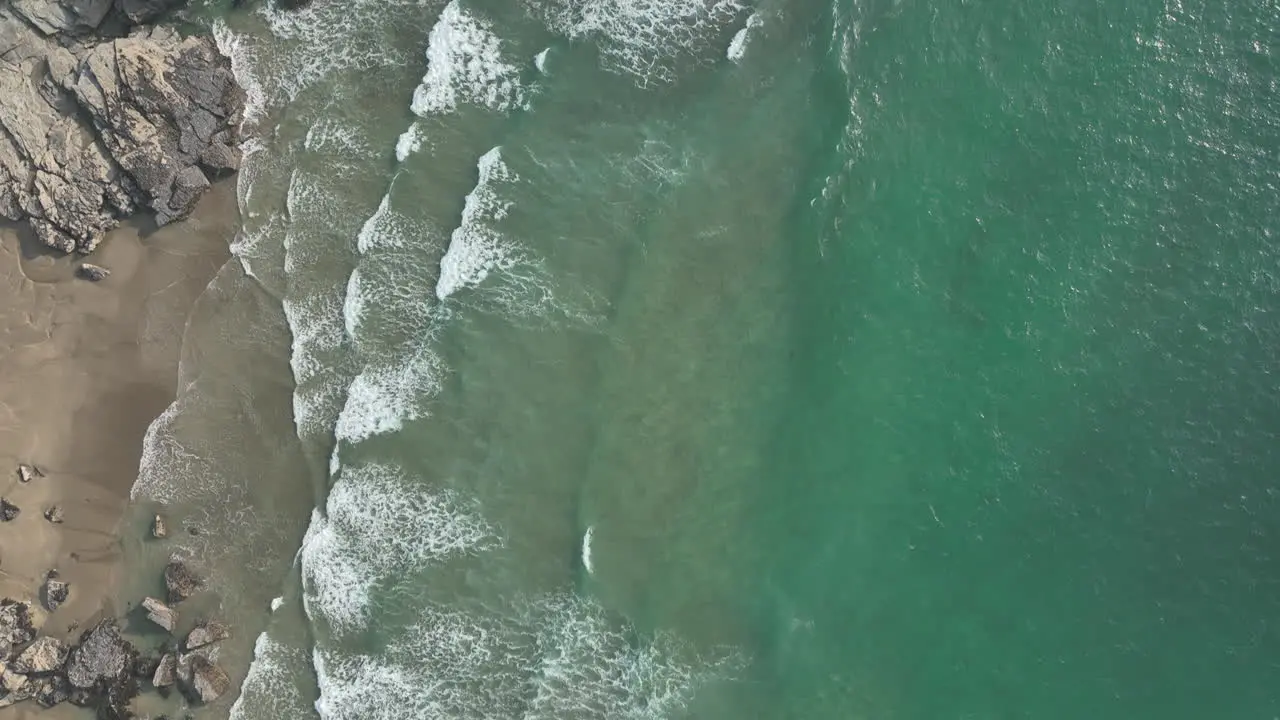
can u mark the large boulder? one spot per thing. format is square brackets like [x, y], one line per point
[43, 656]
[206, 634]
[180, 581]
[102, 658]
[18, 624]
[203, 680]
[166, 671]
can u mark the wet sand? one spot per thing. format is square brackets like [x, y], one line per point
[86, 368]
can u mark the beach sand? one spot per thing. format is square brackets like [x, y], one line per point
[86, 368]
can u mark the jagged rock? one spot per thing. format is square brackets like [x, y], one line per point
[28, 472]
[24, 690]
[19, 623]
[11, 680]
[102, 657]
[93, 273]
[43, 656]
[54, 592]
[53, 690]
[91, 133]
[166, 672]
[180, 581]
[158, 528]
[205, 681]
[54, 514]
[160, 614]
[206, 634]
[8, 511]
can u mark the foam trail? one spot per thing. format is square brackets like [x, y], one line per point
[586, 550]
[540, 60]
[475, 249]
[409, 142]
[738, 46]
[465, 65]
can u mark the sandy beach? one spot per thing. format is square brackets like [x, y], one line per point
[88, 366]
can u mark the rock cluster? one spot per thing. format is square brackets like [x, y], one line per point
[93, 129]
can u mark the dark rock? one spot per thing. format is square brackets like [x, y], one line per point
[8, 511]
[54, 592]
[206, 634]
[144, 11]
[180, 581]
[102, 657]
[18, 624]
[160, 614]
[93, 273]
[54, 514]
[43, 656]
[166, 672]
[54, 690]
[203, 681]
[145, 666]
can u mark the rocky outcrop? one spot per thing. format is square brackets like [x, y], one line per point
[19, 623]
[202, 680]
[94, 131]
[103, 657]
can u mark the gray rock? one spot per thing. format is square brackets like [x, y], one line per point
[180, 581]
[23, 689]
[26, 473]
[158, 528]
[142, 11]
[166, 672]
[11, 680]
[69, 16]
[160, 614]
[206, 681]
[43, 656]
[55, 592]
[93, 273]
[8, 511]
[102, 656]
[54, 514]
[206, 634]
[53, 690]
[18, 624]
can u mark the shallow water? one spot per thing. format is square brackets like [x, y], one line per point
[808, 359]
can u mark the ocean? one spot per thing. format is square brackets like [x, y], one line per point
[787, 359]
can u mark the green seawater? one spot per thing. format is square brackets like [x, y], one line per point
[917, 363]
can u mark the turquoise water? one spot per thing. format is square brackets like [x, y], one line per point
[806, 359]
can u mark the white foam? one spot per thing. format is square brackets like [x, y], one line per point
[353, 306]
[409, 142]
[271, 687]
[738, 46]
[233, 47]
[465, 65]
[381, 523]
[586, 550]
[475, 248]
[276, 604]
[645, 39]
[387, 393]
[540, 60]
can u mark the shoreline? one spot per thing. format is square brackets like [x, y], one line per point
[91, 365]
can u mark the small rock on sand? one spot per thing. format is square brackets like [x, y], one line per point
[180, 581]
[43, 656]
[93, 273]
[8, 511]
[53, 514]
[206, 634]
[27, 472]
[55, 591]
[158, 528]
[160, 614]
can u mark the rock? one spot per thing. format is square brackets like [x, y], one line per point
[102, 657]
[145, 666]
[206, 634]
[11, 680]
[24, 689]
[160, 614]
[54, 514]
[43, 656]
[92, 131]
[207, 682]
[8, 511]
[93, 273]
[166, 672]
[53, 690]
[54, 592]
[180, 581]
[27, 472]
[158, 529]
[18, 624]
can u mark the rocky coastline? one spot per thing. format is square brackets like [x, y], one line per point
[104, 116]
